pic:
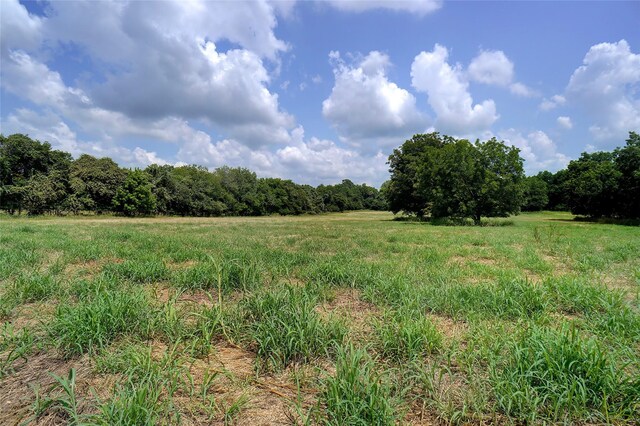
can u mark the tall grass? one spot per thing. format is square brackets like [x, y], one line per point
[560, 376]
[358, 393]
[91, 325]
[285, 327]
[405, 335]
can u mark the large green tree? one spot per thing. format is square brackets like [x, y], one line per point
[24, 162]
[535, 194]
[134, 196]
[402, 190]
[94, 182]
[446, 177]
[593, 184]
[627, 160]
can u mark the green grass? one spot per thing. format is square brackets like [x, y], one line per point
[94, 324]
[560, 376]
[351, 318]
[286, 328]
[358, 393]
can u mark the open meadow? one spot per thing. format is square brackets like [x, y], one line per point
[342, 319]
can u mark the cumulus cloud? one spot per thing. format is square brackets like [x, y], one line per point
[495, 68]
[305, 161]
[552, 103]
[565, 122]
[419, 7]
[119, 30]
[51, 128]
[448, 93]
[537, 148]
[606, 86]
[365, 105]
[164, 63]
[18, 29]
[491, 67]
[520, 89]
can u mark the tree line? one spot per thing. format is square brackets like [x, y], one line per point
[39, 180]
[439, 176]
[598, 185]
[432, 175]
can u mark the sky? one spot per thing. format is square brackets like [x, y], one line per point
[317, 91]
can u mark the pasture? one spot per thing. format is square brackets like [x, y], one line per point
[342, 319]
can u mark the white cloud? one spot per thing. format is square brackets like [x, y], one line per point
[565, 122]
[313, 161]
[51, 128]
[161, 69]
[18, 29]
[30, 79]
[365, 105]
[520, 89]
[495, 68]
[420, 7]
[448, 93]
[538, 150]
[491, 67]
[606, 86]
[554, 102]
[119, 30]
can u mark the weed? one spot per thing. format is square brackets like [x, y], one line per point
[286, 328]
[559, 376]
[406, 335]
[14, 345]
[94, 324]
[65, 404]
[358, 394]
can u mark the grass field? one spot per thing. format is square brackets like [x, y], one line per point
[345, 319]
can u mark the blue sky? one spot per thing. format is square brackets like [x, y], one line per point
[317, 91]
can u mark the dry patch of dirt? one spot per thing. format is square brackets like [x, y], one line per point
[30, 315]
[90, 268]
[49, 259]
[176, 266]
[347, 304]
[16, 390]
[450, 328]
[269, 398]
[557, 265]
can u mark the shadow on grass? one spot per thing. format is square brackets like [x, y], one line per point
[448, 221]
[601, 220]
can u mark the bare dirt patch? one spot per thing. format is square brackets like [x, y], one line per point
[90, 268]
[176, 266]
[450, 328]
[30, 315]
[269, 398]
[17, 389]
[348, 305]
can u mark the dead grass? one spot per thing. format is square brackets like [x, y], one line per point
[346, 303]
[17, 390]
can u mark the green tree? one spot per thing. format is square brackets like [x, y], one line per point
[556, 189]
[402, 192]
[592, 185]
[45, 193]
[535, 194]
[627, 160]
[163, 187]
[134, 196]
[455, 178]
[22, 159]
[198, 192]
[242, 185]
[94, 182]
